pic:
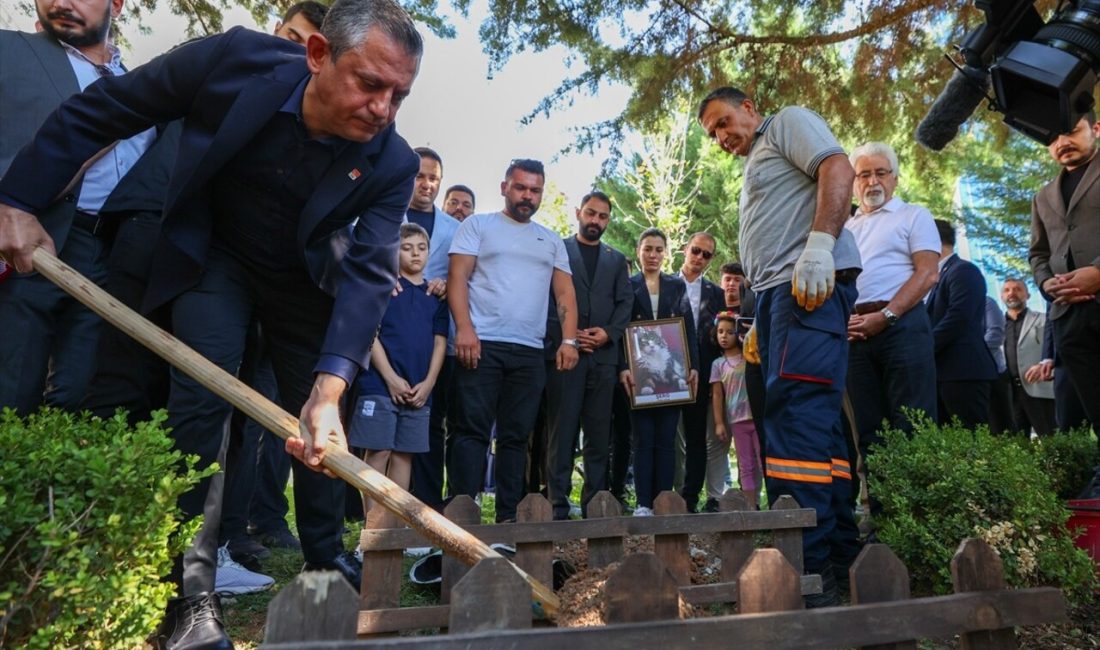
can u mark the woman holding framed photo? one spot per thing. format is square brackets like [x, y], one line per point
[657, 368]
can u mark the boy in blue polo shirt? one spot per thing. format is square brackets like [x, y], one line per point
[390, 419]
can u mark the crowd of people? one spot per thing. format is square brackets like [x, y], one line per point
[251, 195]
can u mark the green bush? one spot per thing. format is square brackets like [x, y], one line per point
[88, 526]
[1068, 458]
[943, 484]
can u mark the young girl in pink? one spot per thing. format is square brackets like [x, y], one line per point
[730, 401]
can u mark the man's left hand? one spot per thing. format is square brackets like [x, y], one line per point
[693, 381]
[863, 327]
[567, 357]
[319, 423]
[1079, 285]
[815, 271]
[592, 339]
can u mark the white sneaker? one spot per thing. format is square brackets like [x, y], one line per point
[418, 551]
[642, 511]
[233, 579]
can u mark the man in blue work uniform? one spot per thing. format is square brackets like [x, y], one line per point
[802, 265]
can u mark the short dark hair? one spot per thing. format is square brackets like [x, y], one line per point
[348, 21]
[729, 94]
[460, 188]
[409, 229]
[314, 12]
[1017, 279]
[705, 235]
[652, 232]
[1090, 117]
[732, 268]
[526, 164]
[947, 232]
[596, 194]
[425, 152]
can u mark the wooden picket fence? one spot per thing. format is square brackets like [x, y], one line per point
[490, 609]
[534, 534]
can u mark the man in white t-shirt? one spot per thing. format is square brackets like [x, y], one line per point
[503, 266]
[891, 365]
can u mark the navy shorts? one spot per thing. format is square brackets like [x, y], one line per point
[378, 424]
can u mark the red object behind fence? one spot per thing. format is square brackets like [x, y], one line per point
[1085, 516]
[5, 271]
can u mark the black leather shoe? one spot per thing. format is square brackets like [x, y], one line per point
[346, 563]
[193, 623]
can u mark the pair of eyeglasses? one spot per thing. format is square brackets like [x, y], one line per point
[695, 250]
[878, 173]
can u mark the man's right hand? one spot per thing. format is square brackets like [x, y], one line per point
[627, 380]
[467, 346]
[20, 234]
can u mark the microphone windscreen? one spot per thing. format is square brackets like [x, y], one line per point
[963, 93]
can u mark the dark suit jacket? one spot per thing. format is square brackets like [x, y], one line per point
[606, 302]
[1057, 228]
[671, 303]
[227, 87]
[711, 301]
[956, 307]
[35, 78]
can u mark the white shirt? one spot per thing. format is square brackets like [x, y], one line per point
[102, 176]
[695, 294]
[887, 238]
[510, 284]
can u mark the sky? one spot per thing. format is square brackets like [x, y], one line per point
[472, 121]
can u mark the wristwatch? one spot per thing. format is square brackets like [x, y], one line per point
[572, 342]
[891, 317]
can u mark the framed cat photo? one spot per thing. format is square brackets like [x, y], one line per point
[657, 353]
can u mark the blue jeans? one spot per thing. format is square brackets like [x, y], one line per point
[804, 356]
[505, 387]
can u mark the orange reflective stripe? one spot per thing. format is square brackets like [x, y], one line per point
[842, 469]
[802, 478]
[799, 470]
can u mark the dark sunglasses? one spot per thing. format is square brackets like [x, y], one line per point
[695, 250]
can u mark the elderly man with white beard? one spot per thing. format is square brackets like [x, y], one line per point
[891, 365]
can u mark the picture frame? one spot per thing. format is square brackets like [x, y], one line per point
[657, 354]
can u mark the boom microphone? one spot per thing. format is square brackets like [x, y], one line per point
[966, 89]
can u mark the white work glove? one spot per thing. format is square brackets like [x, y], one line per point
[814, 272]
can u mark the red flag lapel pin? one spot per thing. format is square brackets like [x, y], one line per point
[354, 174]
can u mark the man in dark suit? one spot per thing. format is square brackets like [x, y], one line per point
[965, 369]
[284, 207]
[52, 358]
[1065, 258]
[583, 396]
[707, 299]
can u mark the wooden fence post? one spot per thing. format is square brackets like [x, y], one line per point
[641, 590]
[604, 550]
[977, 567]
[733, 547]
[789, 541]
[673, 550]
[382, 570]
[464, 511]
[536, 558]
[878, 576]
[491, 596]
[768, 583]
[317, 606]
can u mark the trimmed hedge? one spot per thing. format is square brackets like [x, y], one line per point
[88, 528]
[940, 485]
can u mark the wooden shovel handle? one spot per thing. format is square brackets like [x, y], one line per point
[440, 530]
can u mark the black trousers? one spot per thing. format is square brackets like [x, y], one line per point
[1077, 341]
[1002, 413]
[695, 443]
[257, 465]
[1031, 412]
[966, 400]
[621, 440]
[213, 318]
[577, 398]
[129, 375]
[505, 388]
[427, 467]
